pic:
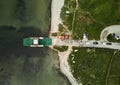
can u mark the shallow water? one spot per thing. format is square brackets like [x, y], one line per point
[21, 65]
[37, 71]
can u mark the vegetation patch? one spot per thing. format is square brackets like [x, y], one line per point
[90, 65]
[114, 73]
[91, 16]
[112, 39]
[54, 34]
[61, 28]
[61, 48]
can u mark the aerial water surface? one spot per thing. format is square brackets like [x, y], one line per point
[21, 65]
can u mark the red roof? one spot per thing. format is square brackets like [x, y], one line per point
[62, 37]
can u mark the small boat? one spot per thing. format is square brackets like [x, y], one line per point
[37, 41]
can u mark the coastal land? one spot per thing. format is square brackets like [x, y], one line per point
[63, 56]
[20, 65]
[86, 66]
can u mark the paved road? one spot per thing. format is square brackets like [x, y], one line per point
[85, 43]
[89, 43]
[108, 30]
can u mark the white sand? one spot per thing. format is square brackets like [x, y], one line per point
[63, 56]
[64, 66]
[55, 16]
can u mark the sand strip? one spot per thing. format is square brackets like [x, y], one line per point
[63, 56]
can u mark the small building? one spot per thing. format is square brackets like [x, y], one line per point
[85, 36]
[64, 37]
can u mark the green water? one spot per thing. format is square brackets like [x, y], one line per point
[21, 65]
[25, 13]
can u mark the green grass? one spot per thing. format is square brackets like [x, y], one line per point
[61, 28]
[91, 17]
[90, 65]
[61, 48]
[114, 75]
[94, 16]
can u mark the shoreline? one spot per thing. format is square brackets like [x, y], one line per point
[56, 6]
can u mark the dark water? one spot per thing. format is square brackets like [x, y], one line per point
[21, 65]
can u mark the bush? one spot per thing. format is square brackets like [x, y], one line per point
[61, 48]
[54, 34]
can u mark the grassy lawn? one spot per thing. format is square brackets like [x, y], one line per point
[114, 75]
[61, 48]
[91, 17]
[90, 65]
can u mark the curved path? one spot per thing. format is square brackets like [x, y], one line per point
[108, 30]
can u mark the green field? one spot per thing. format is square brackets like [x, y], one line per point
[61, 48]
[91, 16]
[114, 75]
[92, 66]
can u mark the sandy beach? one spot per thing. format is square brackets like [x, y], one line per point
[55, 14]
[64, 66]
[63, 56]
